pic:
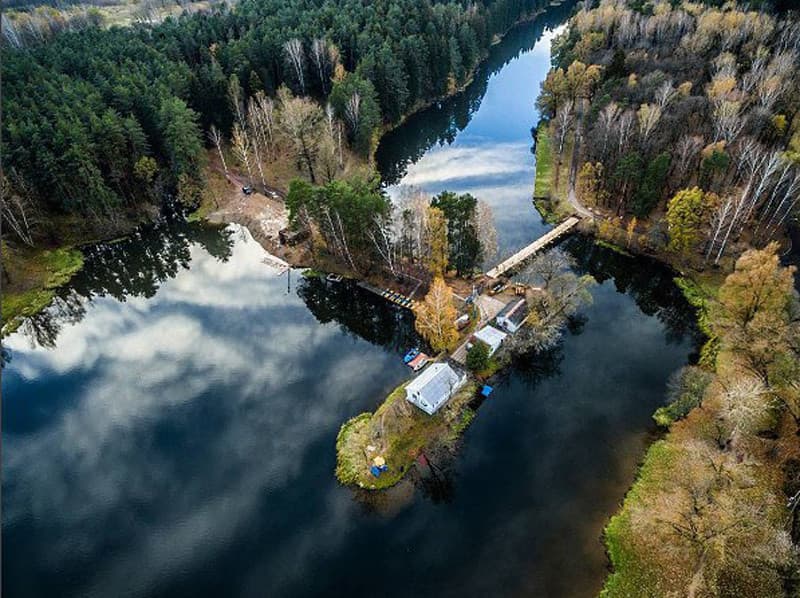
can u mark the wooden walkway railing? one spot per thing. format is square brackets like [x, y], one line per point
[526, 252]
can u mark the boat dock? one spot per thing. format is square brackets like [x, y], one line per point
[276, 263]
[530, 250]
[396, 298]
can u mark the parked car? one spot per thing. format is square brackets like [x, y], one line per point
[497, 287]
[247, 190]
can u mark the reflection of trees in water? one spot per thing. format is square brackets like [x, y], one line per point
[440, 123]
[359, 312]
[439, 485]
[647, 281]
[536, 366]
[68, 307]
[139, 264]
[134, 266]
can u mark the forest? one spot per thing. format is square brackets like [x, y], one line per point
[102, 122]
[679, 123]
[676, 126]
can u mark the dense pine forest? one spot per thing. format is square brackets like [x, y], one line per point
[100, 120]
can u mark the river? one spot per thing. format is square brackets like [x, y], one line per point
[169, 423]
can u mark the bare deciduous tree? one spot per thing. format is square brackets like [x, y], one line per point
[323, 55]
[17, 207]
[564, 121]
[485, 227]
[216, 138]
[295, 56]
[242, 149]
[301, 119]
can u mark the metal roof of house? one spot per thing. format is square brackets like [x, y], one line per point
[491, 336]
[434, 385]
[514, 311]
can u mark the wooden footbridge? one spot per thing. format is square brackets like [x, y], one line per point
[530, 250]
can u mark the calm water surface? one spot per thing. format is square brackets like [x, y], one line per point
[169, 423]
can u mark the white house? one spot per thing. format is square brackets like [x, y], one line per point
[491, 336]
[434, 387]
[513, 315]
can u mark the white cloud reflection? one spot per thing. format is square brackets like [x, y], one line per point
[464, 163]
[277, 381]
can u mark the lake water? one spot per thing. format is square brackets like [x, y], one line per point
[169, 423]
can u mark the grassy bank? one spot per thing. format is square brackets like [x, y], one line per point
[544, 162]
[707, 514]
[550, 191]
[399, 432]
[33, 275]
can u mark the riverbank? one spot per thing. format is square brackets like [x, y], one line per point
[222, 202]
[696, 487]
[32, 275]
[740, 475]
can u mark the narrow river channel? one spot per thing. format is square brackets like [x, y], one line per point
[169, 423]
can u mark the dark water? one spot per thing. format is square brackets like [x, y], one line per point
[169, 423]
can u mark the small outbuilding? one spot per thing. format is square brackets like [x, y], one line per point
[490, 336]
[513, 315]
[434, 387]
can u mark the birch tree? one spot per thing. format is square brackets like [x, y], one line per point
[264, 109]
[384, 239]
[324, 56]
[17, 209]
[216, 138]
[563, 123]
[665, 94]
[236, 101]
[687, 149]
[295, 56]
[757, 165]
[242, 149]
[606, 123]
[353, 111]
[648, 116]
[257, 142]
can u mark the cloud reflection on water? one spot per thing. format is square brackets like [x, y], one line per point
[220, 350]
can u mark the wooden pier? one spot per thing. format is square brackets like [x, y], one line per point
[396, 298]
[539, 244]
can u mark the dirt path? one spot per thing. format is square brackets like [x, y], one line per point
[572, 197]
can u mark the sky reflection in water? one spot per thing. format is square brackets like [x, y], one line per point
[491, 157]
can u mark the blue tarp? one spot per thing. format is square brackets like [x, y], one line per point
[412, 353]
[486, 390]
[375, 470]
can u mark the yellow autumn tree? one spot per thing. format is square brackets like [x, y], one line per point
[755, 309]
[436, 315]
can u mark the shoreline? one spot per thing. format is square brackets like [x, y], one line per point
[32, 299]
